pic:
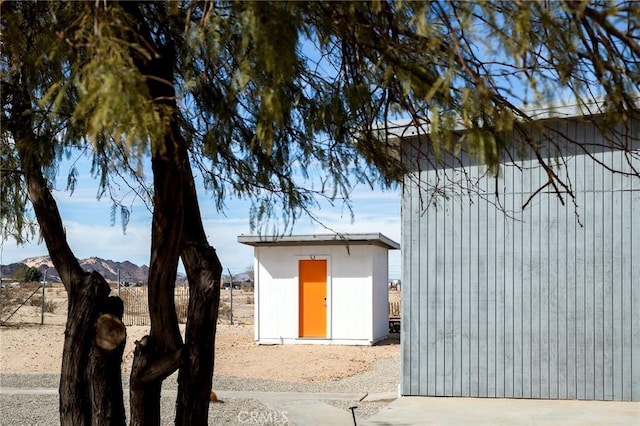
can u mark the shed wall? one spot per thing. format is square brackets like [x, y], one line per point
[380, 284]
[349, 292]
[528, 306]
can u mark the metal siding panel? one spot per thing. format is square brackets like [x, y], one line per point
[580, 282]
[500, 248]
[634, 323]
[439, 297]
[598, 282]
[492, 296]
[422, 324]
[553, 284]
[483, 311]
[557, 296]
[408, 284]
[543, 284]
[508, 230]
[566, 290]
[518, 292]
[560, 266]
[617, 281]
[456, 299]
[527, 318]
[626, 296]
[581, 287]
[608, 328]
[429, 300]
[571, 293]
[410, 325]
[533, 267]
[474, 311]
[534, 308]
[465, 299]
[448, 288]
[590, 271]
[418, 324]
[405, 339]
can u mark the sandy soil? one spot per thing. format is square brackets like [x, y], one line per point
[26, 347]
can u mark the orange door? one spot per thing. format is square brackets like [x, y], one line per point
[313, 298]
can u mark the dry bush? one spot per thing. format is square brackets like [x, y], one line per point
[224, 310]
[30, 285]
[49, 305]
[12, 297]
[249, 300]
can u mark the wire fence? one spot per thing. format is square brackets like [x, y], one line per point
[136, 306]
[35, 303]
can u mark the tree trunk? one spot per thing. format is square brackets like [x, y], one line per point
[204, 272]
[90, 381]
[174, 196]
[157, 356]
[176, 230]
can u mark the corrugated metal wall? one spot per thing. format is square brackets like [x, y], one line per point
[540, 303]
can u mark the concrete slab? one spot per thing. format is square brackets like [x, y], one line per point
[311, 413]
[415, 411]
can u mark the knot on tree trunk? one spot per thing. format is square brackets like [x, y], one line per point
[150, 365]
[110, 332]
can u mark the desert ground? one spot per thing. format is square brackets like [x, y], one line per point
[29, 347]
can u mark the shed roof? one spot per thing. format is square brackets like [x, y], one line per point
[319, 240]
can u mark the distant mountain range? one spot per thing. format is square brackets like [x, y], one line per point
[107, 268]
[129, 272]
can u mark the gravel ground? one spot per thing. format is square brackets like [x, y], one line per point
[30, 410]
[42, 409]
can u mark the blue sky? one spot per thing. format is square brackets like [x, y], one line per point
[89, 231]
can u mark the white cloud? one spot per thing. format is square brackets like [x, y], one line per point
[89, 232]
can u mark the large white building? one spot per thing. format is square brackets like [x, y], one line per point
[511, 296]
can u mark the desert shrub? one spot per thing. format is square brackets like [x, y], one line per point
[249, 300]
[30, 286]
[49, 305]
[11, 298]
[224, 310]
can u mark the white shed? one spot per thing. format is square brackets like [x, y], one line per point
[321, 289]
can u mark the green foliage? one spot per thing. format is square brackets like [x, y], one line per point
[282, 102]
[28, 275]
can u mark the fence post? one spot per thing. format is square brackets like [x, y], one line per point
[230, 297]
[44, 284]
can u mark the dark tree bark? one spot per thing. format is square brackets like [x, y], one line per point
[159, 354]
[90, 381]
[204, 272]
[177, 230]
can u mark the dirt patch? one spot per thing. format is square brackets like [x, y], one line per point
[26, 347]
